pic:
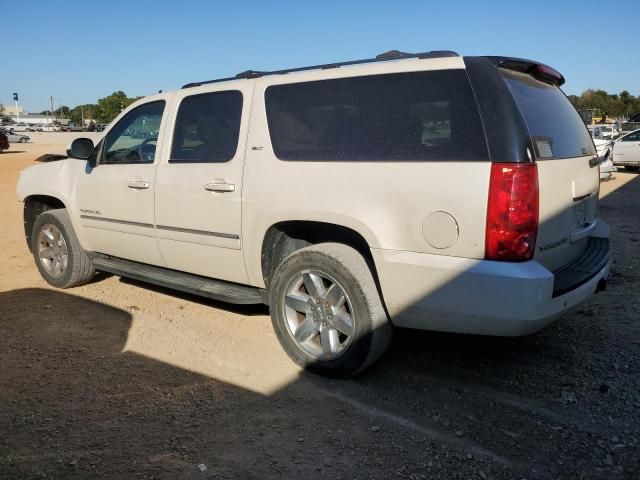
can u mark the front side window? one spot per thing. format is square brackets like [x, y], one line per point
[414, 116]
[207, 128]
[134, 138]
[632, 137]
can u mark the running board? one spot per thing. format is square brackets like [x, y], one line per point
[185, 282]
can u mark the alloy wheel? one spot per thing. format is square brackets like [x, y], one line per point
[52, 250]
[319, 314]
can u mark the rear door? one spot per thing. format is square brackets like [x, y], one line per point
[199, 182]
[569, 182]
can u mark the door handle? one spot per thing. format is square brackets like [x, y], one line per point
[138, 184]
[220, 187]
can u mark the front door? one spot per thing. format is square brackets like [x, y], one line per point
[116, 198]
[199, 183]
[627, 150]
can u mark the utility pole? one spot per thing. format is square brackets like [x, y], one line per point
[82, 115]
[51, 103]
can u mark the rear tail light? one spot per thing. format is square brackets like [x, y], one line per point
[512, 212]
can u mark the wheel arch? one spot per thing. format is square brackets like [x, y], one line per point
[284, 238]
[35, 205]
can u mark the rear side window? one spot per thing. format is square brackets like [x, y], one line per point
[207, 128]
[555, 127]
[399, 117]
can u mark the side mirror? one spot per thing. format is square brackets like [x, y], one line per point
[81, 148]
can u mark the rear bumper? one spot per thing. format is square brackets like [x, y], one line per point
[435, 292]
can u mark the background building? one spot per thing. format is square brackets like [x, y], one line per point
[10, 110]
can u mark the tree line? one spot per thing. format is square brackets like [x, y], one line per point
[620, 106]
[104, 111]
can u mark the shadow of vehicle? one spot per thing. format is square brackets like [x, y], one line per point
[74, 402]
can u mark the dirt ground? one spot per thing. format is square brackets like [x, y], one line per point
[118, 379]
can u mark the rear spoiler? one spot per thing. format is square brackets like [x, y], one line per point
[535, 69]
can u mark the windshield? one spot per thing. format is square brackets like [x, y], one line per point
[555, 127]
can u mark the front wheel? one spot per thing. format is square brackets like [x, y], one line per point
[58, 255]
[326, 310]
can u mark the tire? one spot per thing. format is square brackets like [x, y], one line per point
[361, 313]
[78, 269]
[23, 140]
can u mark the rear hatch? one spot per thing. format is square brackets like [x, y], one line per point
[568, 182]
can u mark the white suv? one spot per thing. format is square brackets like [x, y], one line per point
[427, 191]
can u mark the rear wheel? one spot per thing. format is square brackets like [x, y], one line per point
[58, 255]
[326, 310]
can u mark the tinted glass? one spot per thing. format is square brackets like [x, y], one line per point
[556, 128]
[632, 137]
[133, 139]
[207, 127]
[403, 117]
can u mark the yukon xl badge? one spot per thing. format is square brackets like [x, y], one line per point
[90, 212]
[555, 244]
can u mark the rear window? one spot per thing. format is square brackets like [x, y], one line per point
[555, 127]
[399, 117]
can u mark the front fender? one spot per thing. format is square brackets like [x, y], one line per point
[56, 180]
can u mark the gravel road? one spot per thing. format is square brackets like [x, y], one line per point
[118, 379]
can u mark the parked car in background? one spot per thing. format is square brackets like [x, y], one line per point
[18, 127]
[605, 131]
[16, 137]
[632, 124]
[34, 127]
[48, 128]
[72, 127]
[626, 151]
[603, 149]
[4, 142]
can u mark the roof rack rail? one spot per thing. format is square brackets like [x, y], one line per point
[383, 57]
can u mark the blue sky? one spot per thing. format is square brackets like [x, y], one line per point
[79, 51]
